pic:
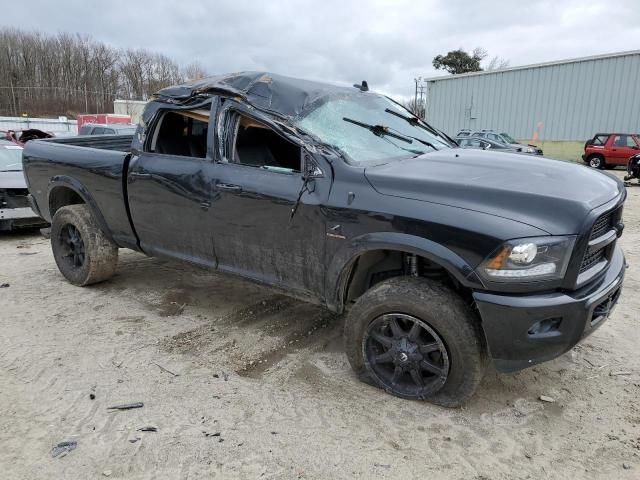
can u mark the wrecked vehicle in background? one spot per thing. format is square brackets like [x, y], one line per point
[342, 197]
[15, 211]
[633, 169]
[20, 137]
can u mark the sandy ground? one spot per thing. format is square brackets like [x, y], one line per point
[244, 383]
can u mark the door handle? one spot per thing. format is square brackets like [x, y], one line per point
[227, 187]
[205, 205]
[140, 175]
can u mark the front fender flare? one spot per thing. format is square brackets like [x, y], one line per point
[83, 192]
[343, 261]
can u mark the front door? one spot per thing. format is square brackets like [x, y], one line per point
[623, 147]
[255, 191]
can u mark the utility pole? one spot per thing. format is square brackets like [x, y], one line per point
[86, 99]
[415, 98]
[421, 107]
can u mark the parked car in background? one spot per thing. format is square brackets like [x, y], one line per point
[503, 138]
[608, 150]
[484, 144]
[14, 205]
[107, 129]
[20, 137]
[102, 118]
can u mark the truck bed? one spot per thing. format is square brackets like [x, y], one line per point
[120, 143]
[93, 168]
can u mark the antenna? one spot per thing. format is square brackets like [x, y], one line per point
[364, 87]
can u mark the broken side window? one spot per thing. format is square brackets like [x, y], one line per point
[257, 145]
[182, 133]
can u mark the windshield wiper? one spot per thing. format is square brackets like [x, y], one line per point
[378, 130]
[424, 142]
[415, 121]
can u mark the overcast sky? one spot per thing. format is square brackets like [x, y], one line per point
[388, 43]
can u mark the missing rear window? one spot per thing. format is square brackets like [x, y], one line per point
[183, 134]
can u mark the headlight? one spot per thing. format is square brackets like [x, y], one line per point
[529, 150]
[529, 259]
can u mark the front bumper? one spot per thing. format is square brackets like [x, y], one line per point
[512, 323]
[11, 218]
[12, 213]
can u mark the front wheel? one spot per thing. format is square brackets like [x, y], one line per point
[83, 253]
[417, 340]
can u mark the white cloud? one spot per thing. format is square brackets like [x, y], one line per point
[388, 43]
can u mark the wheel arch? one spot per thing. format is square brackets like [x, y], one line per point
[343, 264]
[64, 190]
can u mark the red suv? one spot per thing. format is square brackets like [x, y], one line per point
[607, 150]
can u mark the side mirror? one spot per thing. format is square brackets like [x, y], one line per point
[311, 169]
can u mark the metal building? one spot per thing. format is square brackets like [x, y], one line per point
[133, 108]
[557, 104]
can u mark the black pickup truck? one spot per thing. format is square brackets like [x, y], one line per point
[442, 257]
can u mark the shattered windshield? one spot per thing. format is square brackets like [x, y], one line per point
[10, 157]
[369, 129]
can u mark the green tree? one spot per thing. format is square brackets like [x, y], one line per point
[459, 61]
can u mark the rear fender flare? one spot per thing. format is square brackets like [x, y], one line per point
[343, 261]
[73, 184]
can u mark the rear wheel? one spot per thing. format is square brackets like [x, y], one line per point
[83, 253]
[416, 339]
[597, 161]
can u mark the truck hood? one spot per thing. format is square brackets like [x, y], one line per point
[552, 195]
[12, 180]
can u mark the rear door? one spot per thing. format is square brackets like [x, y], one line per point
[169, 188]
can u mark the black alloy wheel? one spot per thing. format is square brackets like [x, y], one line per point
[406, 355]
[72, 246]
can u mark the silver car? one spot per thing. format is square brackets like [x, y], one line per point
[503, 138]
[15, 211]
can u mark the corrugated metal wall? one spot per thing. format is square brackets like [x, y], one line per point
[568, 101]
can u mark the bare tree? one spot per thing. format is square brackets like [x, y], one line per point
[194, 71]
[67, 74]
[418, 108]
[497, 63]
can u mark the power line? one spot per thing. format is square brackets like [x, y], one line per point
[81, 90]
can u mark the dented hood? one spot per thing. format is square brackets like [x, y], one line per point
[552, 195]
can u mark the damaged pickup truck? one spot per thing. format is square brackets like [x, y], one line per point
[443, 257]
